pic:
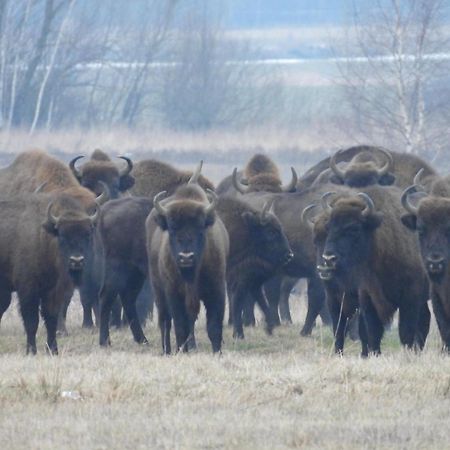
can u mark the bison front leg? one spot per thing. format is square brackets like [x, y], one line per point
[443, 321]
[316, 297]
[287, 285]
[50, 316]
[128, 296]
[29, 309]
[272, 289]
[373, 324]
[261, 300]
[215, 309]
[238, 297]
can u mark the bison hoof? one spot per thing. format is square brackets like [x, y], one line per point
[238, 335]
[305, 332]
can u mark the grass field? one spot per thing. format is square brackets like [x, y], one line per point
[265, 392]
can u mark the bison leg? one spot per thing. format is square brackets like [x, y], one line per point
[339, 324]
[165, 324]
[144, 303]
[89, 300]
[5, 301]
[248, 311]
[407, 325]
[128, 296]
[272, 290]
[29, 308]
[238, 299]
[363, 336]
[423, 326]
[442, 320]
[215, 309]
[51, 320]
[260, 298]
[374, 326]
[287, 285]
[316, 295]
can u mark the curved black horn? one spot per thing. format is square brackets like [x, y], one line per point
[157, 205]
[305, 218]
[104, 196]
[266, 208]
[389, 165]
[74, 170]
[292, 186]
[333, 165]
[129, 167]
[416, 180]
[196, 174]
[370, 207]
[237, 185]
[94, 217]
[213, 202]
[405, 198]
[324, 200]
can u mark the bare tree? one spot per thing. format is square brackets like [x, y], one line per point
[393, 67]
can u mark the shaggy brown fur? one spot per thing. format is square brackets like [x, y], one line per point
[152, 177]
[185, 227]
[258, 249]
[46, 274]
[261, 164]
[379, 262]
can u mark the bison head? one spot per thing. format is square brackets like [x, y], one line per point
[268, 238]
[73, 229]
[431, 220]
[363, 170]
[343, 235]
[264, 182]
[186, 221]
[95, 170]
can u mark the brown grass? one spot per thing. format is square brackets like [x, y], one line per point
[265, 392]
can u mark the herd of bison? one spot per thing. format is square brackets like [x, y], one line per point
[368, 228]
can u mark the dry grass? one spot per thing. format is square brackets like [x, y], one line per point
[265, 392]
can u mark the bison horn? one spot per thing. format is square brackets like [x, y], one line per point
[50, 217]
[389, 165]
[213, 201]
[156, 203]
[105, 195]
[324, 200]
[418, 176]
[333, 165]
[74, 170]
[94, 217]
[195, 176]
[129, 167]
[292, 186]
[305, 218]
[40, 188]
[237, 185]
[370, 207]
[405, 198]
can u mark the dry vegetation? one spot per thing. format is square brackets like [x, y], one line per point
[265, 392]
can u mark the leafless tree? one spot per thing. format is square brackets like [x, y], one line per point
[395, 63]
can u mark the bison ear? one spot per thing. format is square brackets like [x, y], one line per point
[387, 179]
[161, 221]
[50, 228]
[336, 180]
[374, 220]
[410, 221]
[126, 182]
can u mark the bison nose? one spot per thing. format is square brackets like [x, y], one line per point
[329, 259]
[435, 263]
[76, 262]
[186, 259]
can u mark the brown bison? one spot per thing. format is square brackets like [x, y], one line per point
[365, 253]
[258, 249]
[100, 168]
[431, 220]
[152, 177]
[404, 167]
[187, 247]
[55, 233]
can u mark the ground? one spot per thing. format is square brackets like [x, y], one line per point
[283, 391]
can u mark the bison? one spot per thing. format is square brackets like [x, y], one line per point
[258, 249]
[55, 233]
[431, 220]
[100, 168]
[366, 254]
[187, 247]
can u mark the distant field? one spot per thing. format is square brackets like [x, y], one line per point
[262, 393]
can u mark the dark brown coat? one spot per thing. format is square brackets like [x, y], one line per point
[187, 247]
